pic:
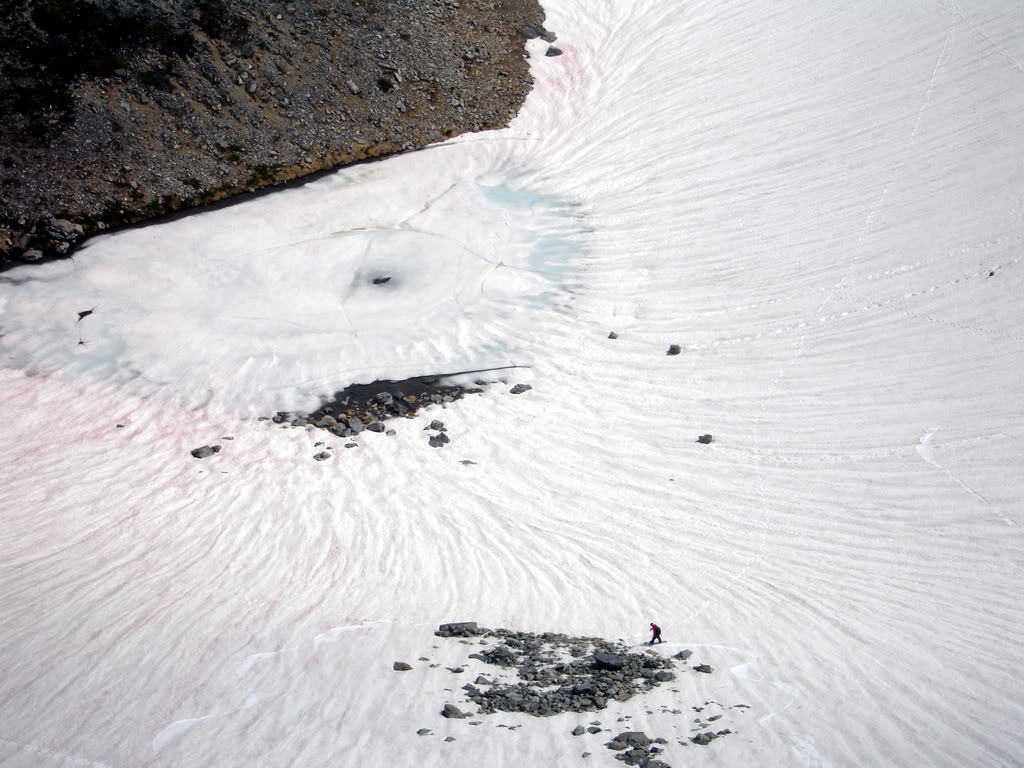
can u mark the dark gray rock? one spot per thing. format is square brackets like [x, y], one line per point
[633, 738]
[518, 389]
[205, 451]
[673, 350]
[438, 425]
[401, 666]
[423, 732]
[704, 738]
[377, 426]
[705, 439]
[579, 730]
[613, 335]
[449, 738]
[707, 669]
[605, 660]
[593, 729]
[458, 629]
[664, 676]
[322, 456]
[683, 655]
[437, 441]
[451, 711]
[32, 255]
[553, 51]
[481, 680]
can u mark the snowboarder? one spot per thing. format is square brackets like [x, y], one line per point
[655, 634]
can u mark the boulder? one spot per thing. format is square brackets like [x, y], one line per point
[62, 229]
[451, 711]
[673, 350]
[205, 451]
[458, 629]
[606, 660]
[633, 738]
[401, 666]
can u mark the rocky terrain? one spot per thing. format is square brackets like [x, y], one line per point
[117, 111]
[549, 673]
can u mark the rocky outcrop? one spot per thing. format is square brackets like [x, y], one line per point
[117, 111]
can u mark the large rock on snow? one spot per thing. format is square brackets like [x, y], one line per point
[458, 629]
[606, 660]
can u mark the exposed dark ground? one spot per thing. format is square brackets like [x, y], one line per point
[119, 111]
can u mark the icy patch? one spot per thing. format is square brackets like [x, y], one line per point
[246, 312]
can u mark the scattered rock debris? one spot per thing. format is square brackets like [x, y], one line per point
[361, 408]
[548, 673]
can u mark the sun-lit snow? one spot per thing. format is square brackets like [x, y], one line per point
[821, 203]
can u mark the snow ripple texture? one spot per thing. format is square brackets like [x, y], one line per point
[821, 203]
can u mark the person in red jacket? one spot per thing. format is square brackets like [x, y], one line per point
[655, 634]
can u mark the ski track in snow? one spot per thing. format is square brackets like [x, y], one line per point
[822, 206]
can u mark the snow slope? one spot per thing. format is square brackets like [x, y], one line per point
[822, 203]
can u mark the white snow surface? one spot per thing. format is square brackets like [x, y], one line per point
[821, 203]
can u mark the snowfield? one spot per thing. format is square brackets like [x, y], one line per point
[821, 203]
